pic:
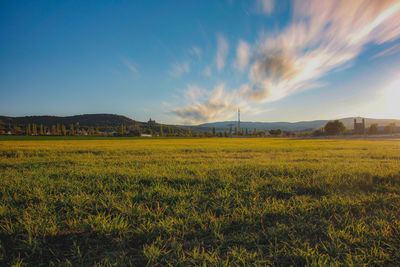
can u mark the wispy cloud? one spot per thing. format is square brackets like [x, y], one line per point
[178, 69]
[265, 6]
[323, 36]
[130, 66]
[194, 92]
[207, 71]
[242, 55]
[165, 47]
[390, 51]
[222, 52]
[216, 106]
[195, 50]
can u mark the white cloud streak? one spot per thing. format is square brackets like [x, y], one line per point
[222, 52]
[218, 104]
[195, 50]
[242, 55]
[207, 71]
[323, 36]
[194, 92]
[130, 66]
[390, 51]
[266, 6]
[178, 69]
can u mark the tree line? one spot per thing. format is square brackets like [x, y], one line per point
[60, 130]
[136, 130]
[336, 127]
[331, 128]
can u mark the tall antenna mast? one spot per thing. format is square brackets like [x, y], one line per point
[239, 119]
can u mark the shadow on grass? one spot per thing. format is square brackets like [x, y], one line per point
[70, 247]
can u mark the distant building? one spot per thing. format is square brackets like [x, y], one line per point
[145, 135]
[151, 122]
[359, 127]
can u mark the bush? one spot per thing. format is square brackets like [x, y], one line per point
[334, 128]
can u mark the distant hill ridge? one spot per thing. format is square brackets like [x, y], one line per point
[299, 126]
[113, 120]
[85, 120]
[105, 122]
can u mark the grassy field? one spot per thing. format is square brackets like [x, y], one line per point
[199, 201]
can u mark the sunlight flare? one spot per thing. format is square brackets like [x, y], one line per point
[392, 99]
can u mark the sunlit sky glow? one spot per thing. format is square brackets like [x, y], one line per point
[387, 104]
[198, 61]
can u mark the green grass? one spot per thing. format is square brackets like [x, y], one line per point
[199, 201]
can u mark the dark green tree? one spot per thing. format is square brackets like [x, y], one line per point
[17, 128]
[34, 129]
[275, 132]
[28, 129]
[53, 130]
[318, 132]
[71, 129]
[334, 128]
[122, 129]
[389, 128]
[136, 131]
[373, 129]
[161, 130]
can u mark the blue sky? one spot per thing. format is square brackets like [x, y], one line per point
[197, 61]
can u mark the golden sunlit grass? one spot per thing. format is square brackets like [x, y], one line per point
[199, 201]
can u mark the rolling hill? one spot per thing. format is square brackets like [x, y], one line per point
[297, 126]
[86, 120]
[109, 121]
